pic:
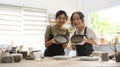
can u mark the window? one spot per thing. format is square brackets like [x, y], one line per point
[34, 23]
[106, 23]
[23, 26]
[10, 22]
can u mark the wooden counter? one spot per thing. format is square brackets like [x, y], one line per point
[50, 62]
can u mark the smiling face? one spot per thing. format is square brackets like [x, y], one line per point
[77, 21]
[61, 19]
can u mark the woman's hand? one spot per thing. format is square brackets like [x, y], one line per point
[73, 47]
[53, 40]
[49, 42]
[91, 41]
[64, 45]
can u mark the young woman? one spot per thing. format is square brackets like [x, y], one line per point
[53, 48]
[90, 39]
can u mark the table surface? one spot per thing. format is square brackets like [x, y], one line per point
[50, 62]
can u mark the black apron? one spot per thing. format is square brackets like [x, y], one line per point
[54, 49]
[86, 49]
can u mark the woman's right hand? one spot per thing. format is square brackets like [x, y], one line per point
[49, 42]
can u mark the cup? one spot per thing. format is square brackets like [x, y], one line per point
[37, 55]
[117, 56]
[17, 58]
[105, 57]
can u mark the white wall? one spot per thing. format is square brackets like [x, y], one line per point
[95, 5]
[52, 5]
[88, 6]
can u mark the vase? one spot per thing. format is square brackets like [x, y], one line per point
[117, 56]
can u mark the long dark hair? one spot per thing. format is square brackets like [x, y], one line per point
[81, 15]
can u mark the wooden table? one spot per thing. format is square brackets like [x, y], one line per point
[50, 62]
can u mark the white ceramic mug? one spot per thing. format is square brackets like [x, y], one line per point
[37, 55]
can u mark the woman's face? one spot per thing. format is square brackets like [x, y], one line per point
[77, 21]
[61, 19]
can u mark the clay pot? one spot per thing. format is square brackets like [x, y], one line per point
[61, 39]
[77, 38]
[17, 58]
[7, 59]
[117, 56]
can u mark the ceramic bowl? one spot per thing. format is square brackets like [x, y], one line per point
[61, 39]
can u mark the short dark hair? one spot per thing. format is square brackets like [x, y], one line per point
[60, 12]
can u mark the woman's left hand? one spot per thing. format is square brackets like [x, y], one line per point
[91, 41]
[64, 45]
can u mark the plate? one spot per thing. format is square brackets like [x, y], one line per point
[59, 38]
[77, 38]
[89, 58]
[62, 57]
